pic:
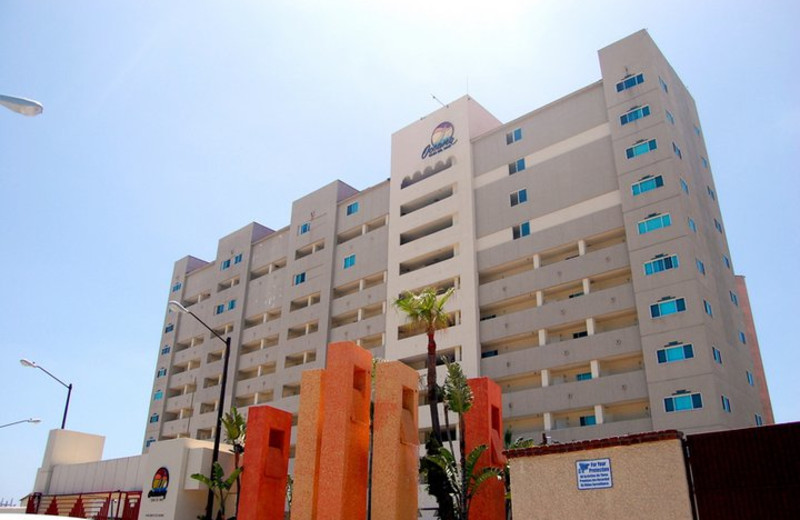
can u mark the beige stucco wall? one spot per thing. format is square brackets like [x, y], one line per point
[649, 481]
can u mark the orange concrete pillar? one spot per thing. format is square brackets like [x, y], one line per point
[395, 443]
[309, 440]
[344, 452]
[266, 460]
[484, 425]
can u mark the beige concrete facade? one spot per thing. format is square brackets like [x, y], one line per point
[553, 297]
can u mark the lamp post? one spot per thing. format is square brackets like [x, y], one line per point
[31, 420]
[32, 364]
[176, 306]
[26, 107]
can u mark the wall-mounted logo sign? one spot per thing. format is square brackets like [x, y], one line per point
[441, 139]
[160, 483]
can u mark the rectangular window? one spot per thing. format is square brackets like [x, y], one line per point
[177, 287]
[165, 350]
[742, 338]
[677, 151]
[226, 264]
[726, 404]
[660, 263]
[352, 208]
[718, 225]
[734, 298]
[663, 84]
[684, 186]
[696, 130]
[669, 117]
[707, 308]
[726, 261]
[759, 420]
[634, 114]
[717, 355]
[304, 228]
[588, 420]
[231, 305]
[169, 328]
[630, 82]
[237, 259]
[516, 166]
[519, 197]
[750, 380]
[653, 223]
[711, 193]
[670, 354]
[667, 307]
[154, 418]
[521, 230]
[349, 261]
[161, 372]
[683, 402]
[647, 184]
[219, 309]
[150, 441]
[705, 162]
[514, 136]
[299, 278]
[701, 267]
[692, 225]
[641, 148]
[158, 395]
[585, 376]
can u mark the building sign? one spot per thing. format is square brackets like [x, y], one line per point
[594, 474]
[441, 139]
[160, 483]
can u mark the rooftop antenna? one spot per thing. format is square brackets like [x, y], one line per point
[437, 100]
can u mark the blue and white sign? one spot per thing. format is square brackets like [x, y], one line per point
[594, 474]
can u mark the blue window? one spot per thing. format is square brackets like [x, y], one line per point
[349, 261]
[647, 184]
[641, 148]
[684, 186]
[701, 267]
[630, 82]
[158, 395]
[750, 379]
[519, 197]
[717, 355]
[521, 230]
[759, 420]
[488, 354]
[150, 440]
[677, 151]
[169, 328]
[352, 209]
[726, 261]
[660, 263]
[667, 306]
[161, 372]
[226, 264]
[669, 117]
[718, 225]
[299, 278]
[585, 376]
[726, 404]
[154, 418]
[675, 352]
[742, 337]
[692, 225]
[237, 259]
[705, 162]
[588, 420]
[634, 114]
[177, 287]
[711, 193]
[734, 298]
[231, 305]
[683, 402]
[165, 350]
[663, 84]
[654, 222]
[707, 308]
[696, 129]
[219, 309]
[516, 166]
[514, 136]
[304, 228]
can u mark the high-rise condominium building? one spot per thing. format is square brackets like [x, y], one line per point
[593, 278]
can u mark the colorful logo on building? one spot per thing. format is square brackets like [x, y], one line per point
[441, 139]
[160, 483]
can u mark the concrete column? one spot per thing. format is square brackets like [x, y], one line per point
[587, 285]
[539, 298]
[545, 377]
[590, 326]
[548, 421]
[581, 247]
[537, 261]
[595, 365]
[542, 337]
[598, 413]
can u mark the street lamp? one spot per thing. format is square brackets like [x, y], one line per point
[32, 364]
[26, 107]
[176, 306]
[31, 420]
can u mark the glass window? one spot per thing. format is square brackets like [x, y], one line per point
[647, 184]
[705, 162]
[672, 353]
[654, 222]
[516, 166]
[169, 328]
[630, 82]
[158, 395]
[667, 307]
[588, 420]
[726, 404]
[641, 148]
[661, 263]
[519, 197]
[237, 259]
[521, 230]
[150, 441]
[177, 287]
[299, 278]
[677, 151]
[663, 84]
[734, 298]
[634, 114]
[711, 193]
[707, 308]
[349, 261]
[759, 420]
[585, 376]
[165, 350]
[219, 309]
[225, 264]
[718, 225]
[669, 117]
[696, 129]
[750, 380]
[514, 136]
[684, 186]
[154, 418]
[742, 337]
[683, 402]
[692, 225]
[304, 228]
[352, 208]
[231, 305]
[161, 372]
[726, 261]
[717, 355]
[701, 267]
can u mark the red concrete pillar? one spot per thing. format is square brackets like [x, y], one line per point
[309, 439]
[266, 463]
[395, 443]
[484, 425]
[345, 440]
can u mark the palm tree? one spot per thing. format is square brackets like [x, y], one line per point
[235, 434]
[425, 310]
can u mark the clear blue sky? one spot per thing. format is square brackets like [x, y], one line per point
[167, 125]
